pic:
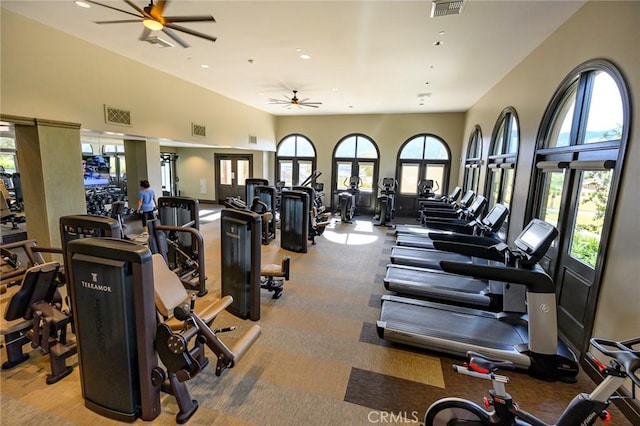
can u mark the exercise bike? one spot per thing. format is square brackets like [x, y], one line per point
[348, 200]
[583, 410]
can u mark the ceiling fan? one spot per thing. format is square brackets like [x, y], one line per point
[294, 101]
[153, 20]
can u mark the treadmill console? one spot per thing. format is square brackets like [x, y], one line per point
[495, 218]
[535, 240]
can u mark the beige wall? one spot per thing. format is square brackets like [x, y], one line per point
[46, 73]
[607, 30]
[196, 164]
[388, 131]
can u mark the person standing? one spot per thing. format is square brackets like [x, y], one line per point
[146, 205]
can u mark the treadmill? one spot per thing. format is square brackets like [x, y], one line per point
[462, 213]
[487, 227]
[529, 342]
[452, 288]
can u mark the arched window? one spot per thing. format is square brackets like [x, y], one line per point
[502, 159]
[295, 159]
[472, 161]
[579, 159]
[356, 155]
[422, 156]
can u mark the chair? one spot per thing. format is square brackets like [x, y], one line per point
[272, 276]
[33, 314]
[179, 325]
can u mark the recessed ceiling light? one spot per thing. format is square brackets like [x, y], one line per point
[438, 43]
[204, 66]
[82, 4]
[298, 50]
[305, 56]
[441, 32]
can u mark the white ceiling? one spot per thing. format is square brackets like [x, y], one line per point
[366, 56]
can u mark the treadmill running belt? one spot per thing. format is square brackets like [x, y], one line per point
[450, 329]
[424, 258]
[437, 285]
[408, 240]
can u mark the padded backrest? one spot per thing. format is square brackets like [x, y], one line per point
[169, 291]
[38, 285]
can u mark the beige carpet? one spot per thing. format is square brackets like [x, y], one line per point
[319, 360]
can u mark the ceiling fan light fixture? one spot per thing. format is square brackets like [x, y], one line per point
[152, 24]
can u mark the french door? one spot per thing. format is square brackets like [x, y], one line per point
[231, 173]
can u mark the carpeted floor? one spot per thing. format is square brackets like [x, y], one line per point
[318, 361]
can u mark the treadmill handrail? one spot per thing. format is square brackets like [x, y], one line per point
[476, 240]
[472, 250]
[536, 280]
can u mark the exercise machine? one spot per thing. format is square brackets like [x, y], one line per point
[476, 209]
[317, 221]
[349, 198]
[241, 233]
[264, 203]
[488, 226]
[112, 295]
[183, 333]
[531, 342]
[250, 187]
[294, 221]
[584, 409]
[180, 222]
[385, 206]
[273, 276]
[34, 315]
[469, 291]
[449, 199]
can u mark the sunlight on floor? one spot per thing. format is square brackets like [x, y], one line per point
[209, 215]
[357, 237]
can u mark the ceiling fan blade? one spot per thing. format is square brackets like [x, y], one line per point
[111, 7]
[200, 18]
[192, 32]
[120, 21]
[175, 37]
[158, 8]
[278, 101]
[145, 34]
[140, 11]
[309, 105]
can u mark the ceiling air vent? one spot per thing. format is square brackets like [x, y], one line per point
[198, 130]
[446, 7]
[253, 139]
[113, 115]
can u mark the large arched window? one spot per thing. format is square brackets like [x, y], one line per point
[502, 159]
[579, 160]
[472, 161]
[295, 159]
[357, 155]
[422, 156]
